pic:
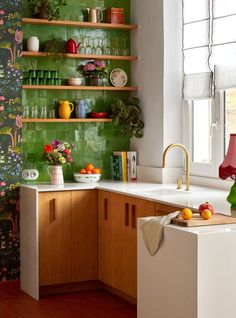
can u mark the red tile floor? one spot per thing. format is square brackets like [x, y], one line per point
[87, 304]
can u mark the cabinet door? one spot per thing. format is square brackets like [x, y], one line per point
[105, 238]
[125, 211]
[54, 238]
[163, 209]
[84, 235]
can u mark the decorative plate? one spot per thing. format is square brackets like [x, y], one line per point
[118, 77]
[98, 115]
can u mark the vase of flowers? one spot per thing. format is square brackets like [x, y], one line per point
[55, 155]
[94, 72]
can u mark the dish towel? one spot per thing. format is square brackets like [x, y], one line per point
[153, 229]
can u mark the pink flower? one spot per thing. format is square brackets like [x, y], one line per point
[1, 22]
[67, 151]
[19, 36]
[100, 64]
[2, 98]
[2, 12]
[2, 183]
[19, 121]
[1, 108]
[89, 67]
[2, 193]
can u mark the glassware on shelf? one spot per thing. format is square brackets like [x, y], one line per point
[88, 49]
[82, 49]
[43, 112]
[125, 50]
[34, 111]
[26, 112]
[99, 47]
[93, 45]
[115, 47]
[107, 47]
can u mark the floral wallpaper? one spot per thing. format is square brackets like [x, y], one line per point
[11, 38]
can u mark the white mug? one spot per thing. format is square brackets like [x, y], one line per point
[33, 44]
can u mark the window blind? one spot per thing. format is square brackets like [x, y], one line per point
[209, 47]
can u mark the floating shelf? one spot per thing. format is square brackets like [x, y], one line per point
[81, 88]
[80, 56]
[80, 24]
[70, 120]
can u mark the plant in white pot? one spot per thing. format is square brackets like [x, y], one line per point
[47, 9]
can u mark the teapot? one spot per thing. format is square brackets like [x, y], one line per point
[72, 47]
[65, 109]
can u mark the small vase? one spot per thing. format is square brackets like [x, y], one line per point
[95, 81]
[56, 175]
[33, 44]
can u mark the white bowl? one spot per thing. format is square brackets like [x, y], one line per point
[87, 178]
[75, 81]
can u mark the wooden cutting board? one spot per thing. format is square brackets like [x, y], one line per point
[196, 220]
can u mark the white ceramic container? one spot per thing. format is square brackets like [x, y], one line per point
[33, 44]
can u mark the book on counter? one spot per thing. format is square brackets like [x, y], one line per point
[123, 165]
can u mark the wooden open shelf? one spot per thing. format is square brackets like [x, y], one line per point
[70, 120]
[80, 56]
[81, 88]
[80, 24]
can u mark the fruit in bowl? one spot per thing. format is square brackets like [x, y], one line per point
[88, 174]
[86, 178]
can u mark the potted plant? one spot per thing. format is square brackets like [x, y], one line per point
[94, 71]
[126, 114]
[47, 9]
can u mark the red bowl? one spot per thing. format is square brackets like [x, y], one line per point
[98, 115]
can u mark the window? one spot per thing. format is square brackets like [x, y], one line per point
[209, 48]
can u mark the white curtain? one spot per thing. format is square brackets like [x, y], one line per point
[209, 46]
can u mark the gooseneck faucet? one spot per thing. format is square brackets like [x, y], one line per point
[186, 160]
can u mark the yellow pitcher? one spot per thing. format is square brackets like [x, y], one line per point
[65, 109]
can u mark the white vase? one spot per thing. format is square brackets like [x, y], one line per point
[33, 44]
[56, 175]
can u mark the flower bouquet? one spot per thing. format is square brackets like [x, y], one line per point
[57, 153]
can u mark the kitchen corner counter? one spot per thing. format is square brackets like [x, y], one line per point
[163, 193]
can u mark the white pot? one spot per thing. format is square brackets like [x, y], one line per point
[33, 44]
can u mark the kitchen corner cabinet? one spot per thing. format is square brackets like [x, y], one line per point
[117, 242]
[60, 235]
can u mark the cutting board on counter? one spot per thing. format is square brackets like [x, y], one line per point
[196, 220]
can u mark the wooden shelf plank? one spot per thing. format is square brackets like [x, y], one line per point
[81, 88]
[70, 120]
[80, 56]
[80, 24]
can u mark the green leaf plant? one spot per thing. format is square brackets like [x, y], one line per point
[126, 113]
[51, 8]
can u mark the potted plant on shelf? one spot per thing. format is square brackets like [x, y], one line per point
[47, 9]
[94, 72]
[126, 113]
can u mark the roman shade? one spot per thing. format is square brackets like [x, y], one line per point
[209, 47]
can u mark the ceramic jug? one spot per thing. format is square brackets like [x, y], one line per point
[33, 44]
[56, 175]
[94, 15]
[65, 109]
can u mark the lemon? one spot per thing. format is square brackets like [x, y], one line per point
[186, 214]
[206, 214]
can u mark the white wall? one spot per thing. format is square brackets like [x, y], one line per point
[158, 73]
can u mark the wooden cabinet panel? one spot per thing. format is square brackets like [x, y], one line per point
[105, 236]
[163, 209]
[54, 238]
[84, 235]
[118, 239]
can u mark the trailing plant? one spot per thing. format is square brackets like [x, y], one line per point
[54, 46]
[52, 7]
[126, 114]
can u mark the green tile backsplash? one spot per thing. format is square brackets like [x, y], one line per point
[94, 142]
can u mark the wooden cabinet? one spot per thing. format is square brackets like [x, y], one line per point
[117, 215]
[67, 237]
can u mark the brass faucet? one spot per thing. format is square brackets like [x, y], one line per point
[186, 160]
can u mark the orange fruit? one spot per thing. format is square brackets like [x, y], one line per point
[206, 214]
[96, 170]
[83, 171]
[186, 214]
[88, 171]
[89, 166]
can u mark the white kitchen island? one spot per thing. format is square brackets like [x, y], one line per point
[192, 275]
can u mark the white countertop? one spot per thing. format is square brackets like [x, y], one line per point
[163, 193]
